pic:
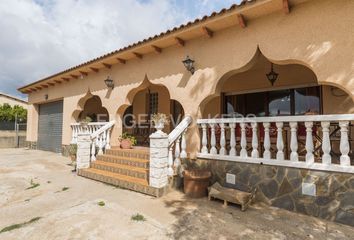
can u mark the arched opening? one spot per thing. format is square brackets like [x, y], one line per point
[148, 100]
[240, 93]
[92, 108]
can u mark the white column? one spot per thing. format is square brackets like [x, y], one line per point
[83, 151]
[232, 139]
[294, 156]
[266, 153]
[204, 138]
[222, 139]
[255, 153]
[309, 143]
[158, 160]
[344, 144]
[213, 149]
[243, 142]
[280, 143]
[183, 154]
[326, 144]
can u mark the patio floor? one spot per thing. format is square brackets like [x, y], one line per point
[68, 209]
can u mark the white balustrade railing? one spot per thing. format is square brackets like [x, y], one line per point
[77, 128]
[101, 139]
[177, 146]
[219, 141]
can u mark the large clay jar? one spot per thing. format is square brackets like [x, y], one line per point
[196, 183]
[125, 144]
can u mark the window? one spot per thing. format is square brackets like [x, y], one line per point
[153, 103]
[286, 102]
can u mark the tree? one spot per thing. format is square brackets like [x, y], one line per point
[8, 113]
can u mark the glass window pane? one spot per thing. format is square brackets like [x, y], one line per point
[307, 101]
[279, 103]
[255, 104]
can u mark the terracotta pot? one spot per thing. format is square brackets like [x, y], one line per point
[125, 144]
[196, 183]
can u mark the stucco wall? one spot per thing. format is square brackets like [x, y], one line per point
[12, 102]
[315, 34]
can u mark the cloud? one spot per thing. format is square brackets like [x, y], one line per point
[42, 37]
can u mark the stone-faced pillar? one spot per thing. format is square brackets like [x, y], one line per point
[83, 151]
[158, 159]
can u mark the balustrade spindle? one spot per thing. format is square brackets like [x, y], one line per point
[93, 150]
[326, 144]
[108, 139]
[266, 153]
[222, 139]
[309, 143]
[254, 153]
[204, 139]
[183, 154]
[232, 139]
[243, 142]
[170, 161]
[344, 143]
[280, 143]
[294, 156]
[177, 162]
[213, 149]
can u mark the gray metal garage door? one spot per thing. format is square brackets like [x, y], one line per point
[50, 126]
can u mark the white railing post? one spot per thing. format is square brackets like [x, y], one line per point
[170, 171]
[183, 154]
[280, 143]
[266, 153]
[108, 139]
[344, 143]
[177, 161]
[243, 142]
[254, 153]
[326, 144]
[309, 143]
[204, 139]
[222, 139]
[294, 156]
[232, 139]
[93, 150]
[159, 158]
[213, 149]
[83, 151]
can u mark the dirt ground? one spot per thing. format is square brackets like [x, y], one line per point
[68, 209]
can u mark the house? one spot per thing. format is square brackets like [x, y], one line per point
[288, 63]
[12, 101]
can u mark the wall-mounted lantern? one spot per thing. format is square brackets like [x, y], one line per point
[46, 97]
[109, 82]
[189, 64]
[272, 76]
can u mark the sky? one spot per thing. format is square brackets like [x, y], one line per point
[39, 38]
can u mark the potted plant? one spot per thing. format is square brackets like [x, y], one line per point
[73, 154]
[159, 120]
[127, 141]
[84, 123]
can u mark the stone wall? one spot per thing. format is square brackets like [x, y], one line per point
[333, 196]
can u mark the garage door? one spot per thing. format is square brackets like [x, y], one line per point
[50, 126]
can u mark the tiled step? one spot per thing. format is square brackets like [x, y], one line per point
[129, 161]
[127, 170]
[141, 153]
[135, 184]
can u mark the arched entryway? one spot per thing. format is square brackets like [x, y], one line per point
[147, 100]
[91, 106]
[296, 91]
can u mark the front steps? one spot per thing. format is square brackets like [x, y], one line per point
[125, 168]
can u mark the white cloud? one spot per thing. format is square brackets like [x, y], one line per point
[40, 38]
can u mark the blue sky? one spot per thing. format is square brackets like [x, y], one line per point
[42, 37]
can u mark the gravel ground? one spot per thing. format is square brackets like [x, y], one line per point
[68, 209]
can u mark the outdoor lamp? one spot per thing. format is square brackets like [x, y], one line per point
[188, 63]
[109, 82]
[272, 76]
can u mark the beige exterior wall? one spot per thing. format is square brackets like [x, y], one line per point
[316, 34]
[11, 101]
